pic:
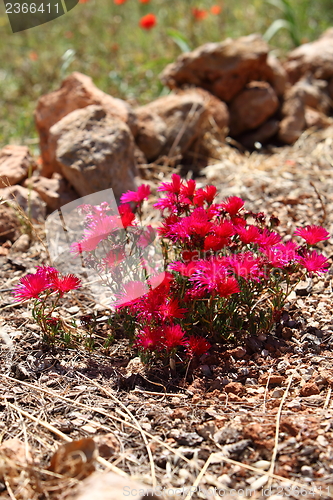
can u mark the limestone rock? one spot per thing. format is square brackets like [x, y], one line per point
[95, 151]
[56, 191]
[252, 107]
[172, 123]
[16, 164]
[27, 199]
[76, 92]
[223, 68]
[315, 58]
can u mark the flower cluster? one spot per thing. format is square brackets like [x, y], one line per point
[228, 270]
[46, 287]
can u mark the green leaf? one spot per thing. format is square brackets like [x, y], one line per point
[179, 40]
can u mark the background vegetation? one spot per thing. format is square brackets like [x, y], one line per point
[104, 41]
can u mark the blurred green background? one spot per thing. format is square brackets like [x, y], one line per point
[104, 41]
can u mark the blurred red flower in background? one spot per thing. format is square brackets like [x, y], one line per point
[216, 9]
[199, 14]
[148, 21]
[117, 2]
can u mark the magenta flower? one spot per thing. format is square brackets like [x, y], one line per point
[233, 205]
[173, 336]
[173, 186]
[228, 287]
[148, 339]
[209, 273]
[170, 310]
[63, 284]
[314, 262]
[126, 214]
[268, 238]
[30, 286]
[196, 346]
[249, 234]
[245, 265]
[312, 234]
[136, 196]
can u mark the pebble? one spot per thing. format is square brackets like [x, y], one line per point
[307, 470]
[277, 393]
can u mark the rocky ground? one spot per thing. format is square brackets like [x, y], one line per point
[252, 419]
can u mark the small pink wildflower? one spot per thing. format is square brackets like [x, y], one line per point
[314, 262]
[63, 284]
[312, 234]
[30, 286]
[233, 205]
[136, 196]
[173, 186]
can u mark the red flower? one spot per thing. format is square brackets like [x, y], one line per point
[173, 186]
[119, 2]
[30, 286]
[148, 21]
[268, 238]
[171, 309]
[248, 235]
[199, 14]
[137, 196]
[63, 284]
[126, 214]
[183, 269]
[149, 338]
[228, 287]
[173, 336]
[196, 346]
[216, 10]
[210, 273]
[314, 262]
[245, 265]
[233, 205]
[312, 234]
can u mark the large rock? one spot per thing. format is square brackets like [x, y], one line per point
[260, 135]
[225, 68]
[29, 201]
[16, 163]
[305, 104]
[252, 107]
[293, 121]
[315, 58]
[95, 151]
[76, 92]
[56, 191]
[171, 124]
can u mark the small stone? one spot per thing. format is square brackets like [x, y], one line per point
[22, 244]
[307, 471]
[309, 389]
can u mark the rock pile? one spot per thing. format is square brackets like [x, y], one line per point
[90, 141]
